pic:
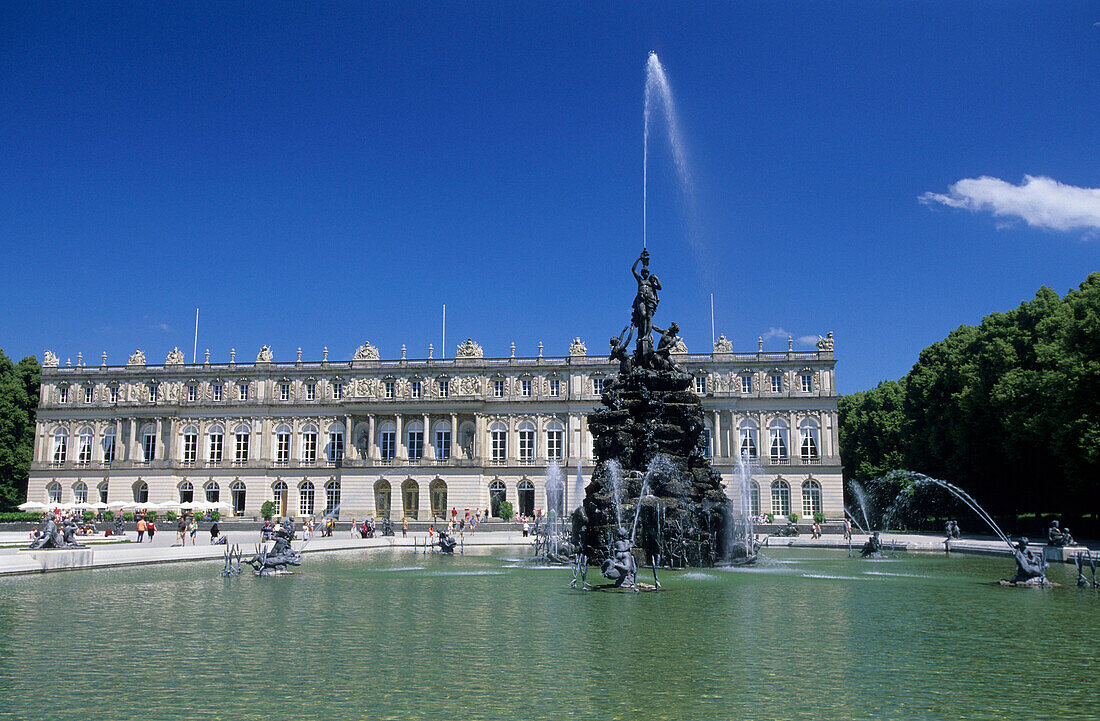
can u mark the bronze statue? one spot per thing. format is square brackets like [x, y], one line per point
[662, 357]
[618, 350]
[620, 567]
[1030, 566]
[645, 302]
[1058, 537]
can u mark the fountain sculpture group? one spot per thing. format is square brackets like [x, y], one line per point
[53, 534]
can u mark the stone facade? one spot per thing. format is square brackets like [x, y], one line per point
[413, 436]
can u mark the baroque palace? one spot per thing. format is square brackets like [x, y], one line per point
[410, 438]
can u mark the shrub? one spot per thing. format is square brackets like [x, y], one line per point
[20, 517]
[267, 510]
[88, 515]
[150, 515]
[770, 517]
[171, 515]
[793, 518]
[819, 517]
[215, 515]
[128, 516]
[506, 511]
[108, 515]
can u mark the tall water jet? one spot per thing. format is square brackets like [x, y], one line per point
[861, 498]
[659, 91]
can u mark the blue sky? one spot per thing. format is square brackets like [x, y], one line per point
[324, 174]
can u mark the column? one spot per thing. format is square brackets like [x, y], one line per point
[401, 452]
[372, 445]
[169, 444]
[266, 454]
[716, 434]
[158, 453]
[429, 442]
[479, 436]
[540, 451]
[513, 441]
[130, 455]
[454, 435]
[350, 451]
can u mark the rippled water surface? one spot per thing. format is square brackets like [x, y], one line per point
[806, 635]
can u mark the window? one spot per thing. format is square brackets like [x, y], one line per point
[284, 391]
[153, 393]
[811, 498]
[414, 389]
[53, 493]
[102, 488]
[114, 394]
[190, 446]
[236, 494]
[332, 498]
[525, 387]
[781, 498]
[708, 442]
[747, 447]
[109, 446]
[309, 446]
[498, 437]
[443, 442]
[141, 492]
[88, 394]
[311, 391]
[382, 495]
[149, 445]
[242, 391]
[337, 391]
[415, 441]
[554, 435]
[807, 382]
[526, 442]
[777, 384]
[240, 451]
[597, 386]
[186, 492]
[746, 384]
[282, 446]
[754, 499]
[498, 494]
[387, 441]
[777, 445]
[700, 385]
[444, 389]
[336, 443]
[80, 492]
[216, 392]
[526, 492]
[305, 498]
[387, 388]
[498, 389]
[212, 491]
[808, 441]
[215, 446]
[555, 387]
[278, 494]
[84, 447]
[192, 393]
[63, 394]
[437, 498]
[410, 498]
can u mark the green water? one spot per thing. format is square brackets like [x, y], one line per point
[806, 635]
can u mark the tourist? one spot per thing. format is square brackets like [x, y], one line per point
[405, 527]
[354, 530]
[141, 527]
[817, 530]
[526, 527]
[181, 531]
[151, 529]
[847, 528]
[431, 534]
[214, 533]
[192, 529]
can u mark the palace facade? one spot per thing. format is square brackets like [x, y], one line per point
[409, 438]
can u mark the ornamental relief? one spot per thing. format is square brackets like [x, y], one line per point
[469, 386]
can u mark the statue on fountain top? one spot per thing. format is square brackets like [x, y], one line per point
[618, 350]
[1030, 566]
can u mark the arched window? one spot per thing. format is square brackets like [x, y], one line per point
[387, 442]
[305, 498]
[781, 498]
[382, 494]
[443, 441]
[332, 498]
[526, 492]
[53, 493]
[237, 493]
[108, 446]
[215, 445]
[309, 445]
[60, 445]
[102, 488]
[414, 440]
[241, 436]
[708, 440]
[80, 492]
[777, 441]
[335, 447]
[808, 441]
[498, 494]
[189, 445]
[754, 499]
[279, 495]
[811, 498]
[410, 498]
[437, 493]
[186, 492]
[141, 492]
[149, 443]
[213, 492]
[498, 441]
[527, 442]
[282, 446]
[84, 446]
[555, 448]
[747, 439]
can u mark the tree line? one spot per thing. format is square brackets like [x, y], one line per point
[19, 383]
[1008, 410]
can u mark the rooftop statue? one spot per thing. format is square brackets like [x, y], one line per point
[723, 345]
[137, 359]
[366, 352]
[49, 360]
[175, 358]
[469, 349]
[577, 347]
[265, 355]
[826, 343]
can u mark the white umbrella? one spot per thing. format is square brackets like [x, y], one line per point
[100, 506]
[221, 505]
[82, 506]
[118, 505]
[166, 506]
[32, 506]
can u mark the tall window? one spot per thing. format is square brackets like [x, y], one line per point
[554, 434]
[141, 492]
[443, 441]
[309, 445]
[526, 442]
[808, 444]
[597, 386]
[80, 492]
[746, 384]
[337, 391]
[525, 387]
[777, 445]
[414, 389]
[498, 389]
[415, 441]
[63, 394]
[282, 446]
[754, 499]
[153, 393]
[708, 442]
[84, 449]
[102, 488]
[305, 498]
[192, 393]
[700, 385]
[114, 394]
[284, 391]
[149, 445]
[242, 391]
[387, 441]
[53, 493]
[236, 494]
[216, 392]
[190, 445]
[109, 446]
[336, 443]
[311, 391]
[215, 446]
[498, 442]
[186, 492]
[555, 387]
[387, 389]
[806, 382]
[781, 498]
[332, 497]
[777, 383]
[444, 389]
[212, 491]
[747, 447]
[811, 498]
[240, 451]
[88, 394]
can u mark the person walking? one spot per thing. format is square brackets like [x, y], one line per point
[151, 528]
[405, 527]
[192, 529]
[847, 528]
[214, 532]
[141, 527]
[181, 531]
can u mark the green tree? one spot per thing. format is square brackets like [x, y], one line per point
[873, 431]
[19, 385]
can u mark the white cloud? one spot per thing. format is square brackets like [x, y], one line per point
[774, 332]
[1039, 201]
[161, 327]
[806, 340]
